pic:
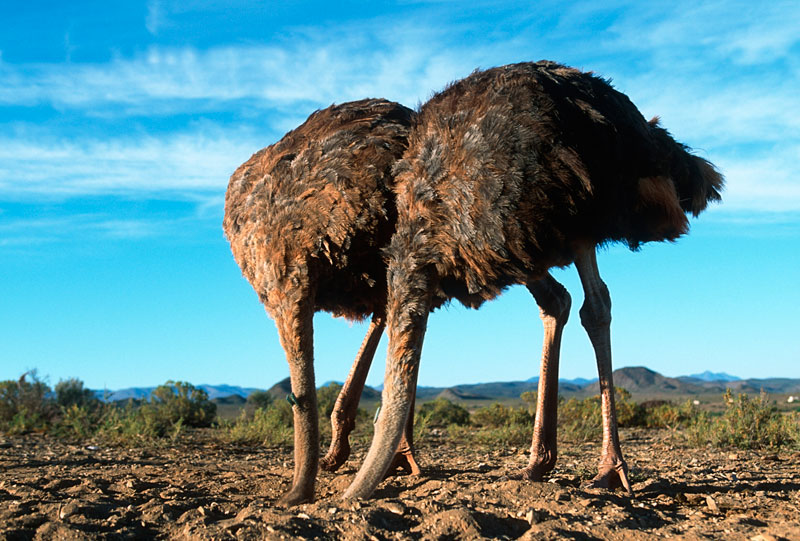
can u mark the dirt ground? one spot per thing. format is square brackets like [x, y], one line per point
[202, 489]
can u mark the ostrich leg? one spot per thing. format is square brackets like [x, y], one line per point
[407, 310]
[296, 330]
[404, 456]
[596, 319]
[554, 304]
[344, 411]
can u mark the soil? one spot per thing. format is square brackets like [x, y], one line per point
[203, 489]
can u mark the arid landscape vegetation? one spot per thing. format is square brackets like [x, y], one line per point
[178, 465]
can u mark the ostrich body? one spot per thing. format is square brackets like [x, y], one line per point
[306, 219]
[509, 172]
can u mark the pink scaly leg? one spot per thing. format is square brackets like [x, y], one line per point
[404, 456]
[554, 304]
[407, 313]
[296, 331]
[346, 407]
[596, 319]
[344, 411]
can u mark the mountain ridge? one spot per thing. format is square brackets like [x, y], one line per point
[636, 379]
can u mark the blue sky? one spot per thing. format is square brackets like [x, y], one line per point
[121, 122]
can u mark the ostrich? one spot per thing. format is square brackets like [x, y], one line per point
[306, 219]
[509, 172]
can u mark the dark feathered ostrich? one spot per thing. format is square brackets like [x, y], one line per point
[509, 172]
[306, 219]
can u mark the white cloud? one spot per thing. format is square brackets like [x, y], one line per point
[155, 16]
[765, 183]
[174, 80]
[716, 86]
[175, 162]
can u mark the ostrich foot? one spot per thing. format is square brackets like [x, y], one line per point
[294, 497]
[335, 457]
[404, 460]
[536, 469]
[612, 475]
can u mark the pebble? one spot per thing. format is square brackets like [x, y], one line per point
[533, 516]
[763, 537]
[396, 508]
[712, 504]
[67, 510]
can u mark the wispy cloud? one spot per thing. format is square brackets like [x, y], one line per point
[149, 165]
[166, 81]
[155, 16]
[727, 88]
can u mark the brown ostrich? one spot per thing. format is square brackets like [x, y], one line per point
[306, 219]
[509, 172]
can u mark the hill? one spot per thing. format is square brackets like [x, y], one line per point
[643, 381]
[638, 380]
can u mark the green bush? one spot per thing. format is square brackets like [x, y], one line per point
[259, 399]
[267, 426]
[180, 402]
[747, 423]
[497, 415]
[581, 420]
[530, 398]
[133, 424]
[71, 392]
[26, 404]
[667, 415]
[326, 399]
[442, 413]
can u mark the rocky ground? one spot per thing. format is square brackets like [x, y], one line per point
[202, 489]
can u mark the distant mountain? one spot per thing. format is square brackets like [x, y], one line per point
[710, 376]
[142, 393]
[281, 389]
[578, 381]
[641, 380]
[135, 393]
[221, 391]
[454, 394]
[575, 381]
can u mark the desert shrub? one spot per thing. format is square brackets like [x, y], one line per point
[442, 413]
[581, 420]
[259, 399]
[133, 424]
[326, 399]
[180, 402]
[666, 415]
[530, 398]
[78, 422]
[170, 408]
[747, 423]
[627, 412]
[267, 426]
[497, 415]
[71, 392]
[26, 404]
[503, 436]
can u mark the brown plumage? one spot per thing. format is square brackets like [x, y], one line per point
[306, 219]
[509, 172]
[314, 209]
